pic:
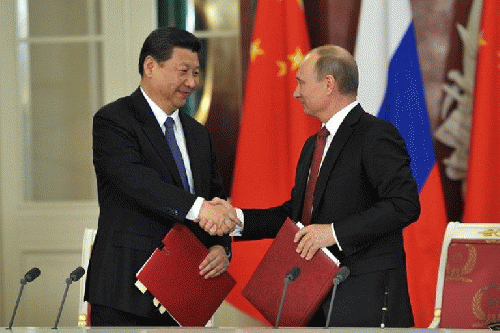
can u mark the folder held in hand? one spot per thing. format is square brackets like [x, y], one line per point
[172, 276]
[304, 295]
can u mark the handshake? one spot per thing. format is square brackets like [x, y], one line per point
[218, 217]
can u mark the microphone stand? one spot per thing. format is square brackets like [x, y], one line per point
[23, 283]
[335, 284]
[341, 275]
[280, 309]
[68, 282]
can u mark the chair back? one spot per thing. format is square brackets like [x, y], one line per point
[84, 307]
[468, 286]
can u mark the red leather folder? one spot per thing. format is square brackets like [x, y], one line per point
[304, 295]
[172, 276]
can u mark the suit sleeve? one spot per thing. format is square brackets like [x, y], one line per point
[386, 163]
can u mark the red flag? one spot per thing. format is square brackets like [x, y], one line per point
[273, 128]
[482, 200]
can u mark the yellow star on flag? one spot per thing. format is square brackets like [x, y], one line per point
[301, 5]
[482, 41]
[255, 49]
[296, 58]
[282, 67]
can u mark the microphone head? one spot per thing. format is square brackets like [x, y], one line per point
[77, 274]
[342, 274]
[32, 274]
[293, 274]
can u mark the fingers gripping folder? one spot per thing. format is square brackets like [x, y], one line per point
[171, 276]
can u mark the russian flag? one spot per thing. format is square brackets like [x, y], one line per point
[391, 88]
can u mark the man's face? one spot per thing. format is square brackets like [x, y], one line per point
[310, 92]
[176, 78]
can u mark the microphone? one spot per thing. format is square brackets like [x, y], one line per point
[340, 277]
[290, 276]
[293, 274]
[31, 275]
[77, 274]
[73, 277]
[28, 277]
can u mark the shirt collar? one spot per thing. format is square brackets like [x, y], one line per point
[334, 122]
[159, 114]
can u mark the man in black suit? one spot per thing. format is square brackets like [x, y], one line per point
[155, 166]
[364, 196]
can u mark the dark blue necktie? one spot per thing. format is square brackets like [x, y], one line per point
[176, 153]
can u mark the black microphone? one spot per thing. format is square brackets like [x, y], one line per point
[290, 276]
[73, 277]
[28, 277]
[77, 274]
[341, 275]
[293, 274]
[31, 275]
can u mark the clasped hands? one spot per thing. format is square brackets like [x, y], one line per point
[218, 217]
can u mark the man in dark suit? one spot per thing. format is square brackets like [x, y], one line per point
[363, 198]
[155, 166]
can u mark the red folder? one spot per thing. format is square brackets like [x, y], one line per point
[304, 295]
[172, 276]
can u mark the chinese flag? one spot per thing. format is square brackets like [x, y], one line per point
[273, 127]
[482, 199]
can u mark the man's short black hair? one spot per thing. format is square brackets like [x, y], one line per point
[161, 42]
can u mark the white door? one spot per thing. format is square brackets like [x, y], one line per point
[60, 60]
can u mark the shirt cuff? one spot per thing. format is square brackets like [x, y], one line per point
[335, 237]
[238, 231]
[194, 212]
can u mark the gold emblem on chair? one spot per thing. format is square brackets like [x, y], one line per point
[490, 232]
[461, 261]
[486, 305]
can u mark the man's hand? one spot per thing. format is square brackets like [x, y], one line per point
[312, 238]
[215, 263]
[218, 217]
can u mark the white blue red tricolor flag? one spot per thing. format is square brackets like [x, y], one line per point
[391, 88]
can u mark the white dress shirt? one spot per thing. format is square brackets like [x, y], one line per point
[161, 117]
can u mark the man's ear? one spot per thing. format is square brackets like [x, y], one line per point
[148, 65]
[331, 84]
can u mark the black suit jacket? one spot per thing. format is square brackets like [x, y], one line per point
[366, 189]
[141, 196]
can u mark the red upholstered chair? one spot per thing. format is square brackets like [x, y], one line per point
[84, 307]
[468, 286]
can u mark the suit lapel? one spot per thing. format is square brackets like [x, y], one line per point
[153, 131]
[302, 176]
[193, 145]
[339, 141]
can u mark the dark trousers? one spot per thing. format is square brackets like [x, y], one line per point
[318, 319]
[101, 316]
[360, 300]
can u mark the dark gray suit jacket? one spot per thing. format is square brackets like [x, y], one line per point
[140, 197]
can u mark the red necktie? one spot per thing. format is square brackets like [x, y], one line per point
[313, 174]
